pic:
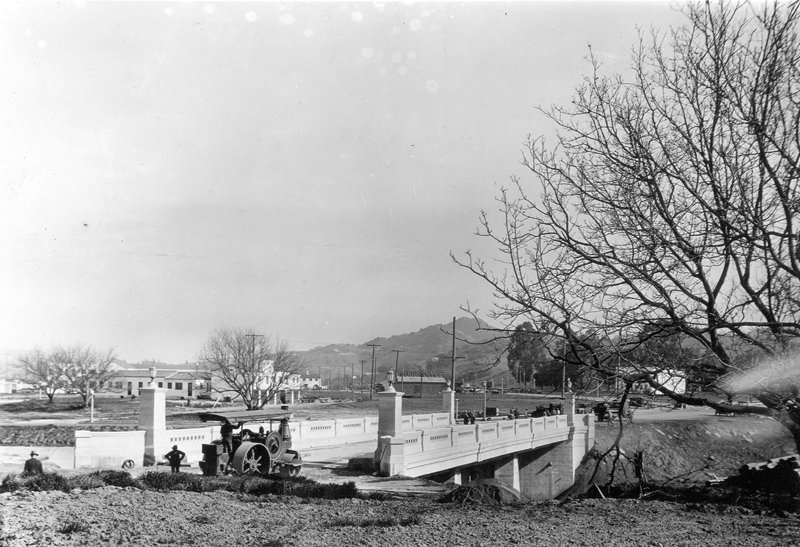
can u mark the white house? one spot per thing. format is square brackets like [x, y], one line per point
[180, 383]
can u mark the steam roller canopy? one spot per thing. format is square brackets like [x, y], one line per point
[251, 459]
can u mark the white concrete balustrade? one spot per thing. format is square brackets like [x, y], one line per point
[536, 455]
[428, 451]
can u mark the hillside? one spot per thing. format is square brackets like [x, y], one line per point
[478, 348]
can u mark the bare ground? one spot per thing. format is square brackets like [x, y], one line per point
[685, 452]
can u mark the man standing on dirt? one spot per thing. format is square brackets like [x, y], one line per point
[32, 466]
[174, 457]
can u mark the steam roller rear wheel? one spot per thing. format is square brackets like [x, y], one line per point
[251, 459]
[274, 445]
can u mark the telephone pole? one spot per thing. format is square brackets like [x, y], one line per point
[361, 380]
[397, 353]
[453, 358]
[372, 377]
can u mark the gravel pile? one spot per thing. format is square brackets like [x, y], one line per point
[128, 516]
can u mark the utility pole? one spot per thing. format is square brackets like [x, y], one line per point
[453, 358]
[397, 353]
[361, 381]
[564, 369]
[372, 377]
[352, 376]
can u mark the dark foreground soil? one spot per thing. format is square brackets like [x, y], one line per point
[112, 515]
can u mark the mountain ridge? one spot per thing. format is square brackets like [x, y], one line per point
[480, 354]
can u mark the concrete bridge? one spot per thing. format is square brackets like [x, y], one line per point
[537, 456]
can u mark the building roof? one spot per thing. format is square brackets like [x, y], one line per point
[160, 374]
[423, 380]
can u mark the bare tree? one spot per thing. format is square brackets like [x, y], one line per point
[36, 368]
[77, 369]
[670, 201]
[247, 365]
[83, 369]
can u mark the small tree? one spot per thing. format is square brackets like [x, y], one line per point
[247, 365]
[37, 368]
[83, 369]
[77, 369]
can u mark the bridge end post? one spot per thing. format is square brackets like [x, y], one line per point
[152, 419]
[390, 413]
[389, 454]
[449, 403]
[569, 407]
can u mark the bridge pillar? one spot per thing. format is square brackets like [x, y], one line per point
[569, 407]
[390, 412]
[389, 454]
[153, 420]
[449, 403]
[507, 472]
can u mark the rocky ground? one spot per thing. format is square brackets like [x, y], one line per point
[683, 453]
[127, 516]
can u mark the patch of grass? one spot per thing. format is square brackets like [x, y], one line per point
[156, 480]
[10, 483]
[293, 486]
[113, 477]
[164, 482]
[72, 527]
[381, 522]
[44, 405]
[44, 482]
[85, 482]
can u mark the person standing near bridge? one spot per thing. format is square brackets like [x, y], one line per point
[175, 457]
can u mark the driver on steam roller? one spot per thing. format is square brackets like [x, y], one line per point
[226, 432]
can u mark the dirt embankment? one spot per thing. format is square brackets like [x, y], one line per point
[693, 452]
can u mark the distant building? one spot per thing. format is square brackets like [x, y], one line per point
[10, 386]
[418, 385]
[179, 381]
[304, 382]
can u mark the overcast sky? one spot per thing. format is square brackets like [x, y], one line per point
[304, 169]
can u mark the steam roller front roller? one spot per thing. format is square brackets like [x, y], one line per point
[251, 459]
